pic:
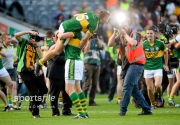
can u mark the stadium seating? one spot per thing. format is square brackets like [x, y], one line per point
[39, 12]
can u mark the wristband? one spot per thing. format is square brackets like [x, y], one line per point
[41, 63]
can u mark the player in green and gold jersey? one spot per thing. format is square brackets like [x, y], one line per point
[154, 50]
[71, 39]
[86, 22]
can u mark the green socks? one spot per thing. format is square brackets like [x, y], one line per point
[82, 99]
[75, 100]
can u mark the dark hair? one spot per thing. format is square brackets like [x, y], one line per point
[94, 36]
[59, 16]
[35, 31]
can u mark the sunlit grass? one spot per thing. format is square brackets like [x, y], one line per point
[105, 114]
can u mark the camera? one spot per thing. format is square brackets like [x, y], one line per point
[36, 38]
[94, 36]
[168, 30]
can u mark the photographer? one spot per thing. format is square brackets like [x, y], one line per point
[132, 57]
[28, 51]
[92, 67]
[175, 43]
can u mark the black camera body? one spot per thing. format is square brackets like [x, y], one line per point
[94, 36]
[168, 30]
[36, 38]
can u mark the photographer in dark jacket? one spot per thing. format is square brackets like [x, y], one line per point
[55, 73]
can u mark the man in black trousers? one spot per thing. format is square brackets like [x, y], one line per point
[28, 51]
[55, 73]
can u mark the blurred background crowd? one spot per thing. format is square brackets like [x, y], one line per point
[49, 14]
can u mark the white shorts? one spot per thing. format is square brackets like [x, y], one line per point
[73, 69]
[44, 70]
[72, 81]
[3, 72]
[119, 69]
[172, 73]
[153, 73]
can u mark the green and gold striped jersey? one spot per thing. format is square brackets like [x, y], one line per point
[86, 22]
[154, 54]
[72, 49]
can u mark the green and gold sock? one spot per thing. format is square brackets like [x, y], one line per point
[60, 99]
[82, 99]
[119, 97]
[75, 100]
[171, 97]
[9, 98]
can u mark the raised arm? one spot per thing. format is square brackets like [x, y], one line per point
[111, 41]
[19, 34]
[84, 40]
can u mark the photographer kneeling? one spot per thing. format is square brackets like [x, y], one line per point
[28, 51]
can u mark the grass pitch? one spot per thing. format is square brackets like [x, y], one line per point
[105, 114]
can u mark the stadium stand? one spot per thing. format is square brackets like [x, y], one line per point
[34, 10]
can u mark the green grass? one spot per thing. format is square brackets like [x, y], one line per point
[105, 114]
